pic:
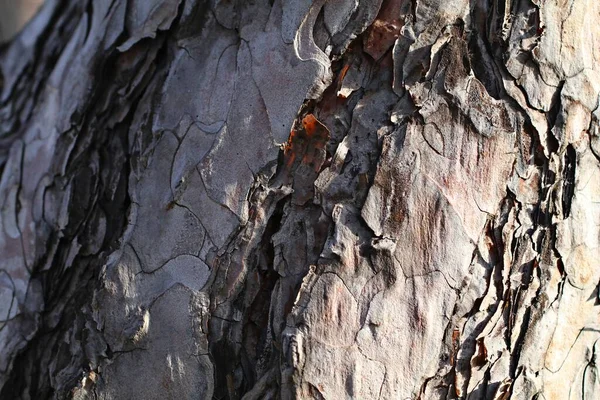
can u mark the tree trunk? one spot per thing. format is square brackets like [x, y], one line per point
[301, 199]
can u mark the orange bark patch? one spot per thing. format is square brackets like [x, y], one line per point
[304, 155]
[307, 145]
[344, 71]
[381, 37]
[386, 29]
[482, 357]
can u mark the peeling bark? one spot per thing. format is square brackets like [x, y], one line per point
[303, 199]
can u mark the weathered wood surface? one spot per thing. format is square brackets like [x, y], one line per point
[301, 199]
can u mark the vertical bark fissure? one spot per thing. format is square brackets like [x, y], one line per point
[67, 285]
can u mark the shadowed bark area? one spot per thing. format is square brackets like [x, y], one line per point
[375, 199]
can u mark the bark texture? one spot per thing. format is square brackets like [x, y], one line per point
[301, 199]
[14, 14]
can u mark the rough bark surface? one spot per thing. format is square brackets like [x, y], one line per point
[301, 199]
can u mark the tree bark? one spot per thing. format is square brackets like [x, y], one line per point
[375, 199]
[14, 14]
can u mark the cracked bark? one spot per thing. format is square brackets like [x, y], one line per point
[259, 200]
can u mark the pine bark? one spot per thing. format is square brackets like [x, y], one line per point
[229, 199]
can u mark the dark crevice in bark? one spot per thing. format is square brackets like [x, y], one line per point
[554, 117]
[242, 285]
[256, 332]
[568, 184]
[239, 367]
[473, 344]
[19, 103]
[483, 54]
[188, 27]
[67, 288]
[516, 351]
